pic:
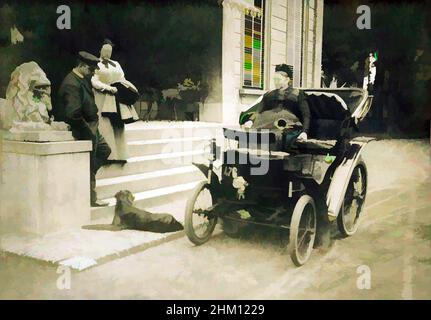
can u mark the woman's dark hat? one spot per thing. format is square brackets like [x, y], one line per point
[288, 69]
[107, 41]
[88, 58]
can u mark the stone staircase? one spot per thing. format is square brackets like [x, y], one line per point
[159, 169]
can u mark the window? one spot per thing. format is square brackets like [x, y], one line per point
[254, 36]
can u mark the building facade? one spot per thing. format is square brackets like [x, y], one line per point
[259, 34]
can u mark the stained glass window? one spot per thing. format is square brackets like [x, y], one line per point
[254, 36]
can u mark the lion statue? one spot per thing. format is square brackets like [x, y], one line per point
[28, 101]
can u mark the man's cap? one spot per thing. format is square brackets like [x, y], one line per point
[108, 41]
[88, 58]
[288, 69]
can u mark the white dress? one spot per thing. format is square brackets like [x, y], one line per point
[106, 75]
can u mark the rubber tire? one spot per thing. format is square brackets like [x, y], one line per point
[188, 219]
[340, 222]
[294, 229]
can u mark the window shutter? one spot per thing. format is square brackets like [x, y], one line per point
[303, 43]
[291, 48]
[297, 14]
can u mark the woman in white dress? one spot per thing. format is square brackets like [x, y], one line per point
[111, 116]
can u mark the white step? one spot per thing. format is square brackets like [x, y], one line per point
[160, 168]
[170, 130]
[148, 199]
[151, 163]
[147, 181]
[145, 147]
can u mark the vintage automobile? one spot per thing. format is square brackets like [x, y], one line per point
[302, 188]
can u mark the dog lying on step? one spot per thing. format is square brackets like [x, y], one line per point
[129, 217]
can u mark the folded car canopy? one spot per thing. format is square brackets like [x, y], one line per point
[326, 103]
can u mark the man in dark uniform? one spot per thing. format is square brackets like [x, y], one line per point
[286, 103]
[76, 107]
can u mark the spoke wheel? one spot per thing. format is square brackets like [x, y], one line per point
[348, 219]
[199, 224]
[302, 230]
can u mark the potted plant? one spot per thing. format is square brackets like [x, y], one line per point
[191, 94]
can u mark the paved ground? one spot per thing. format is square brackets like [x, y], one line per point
[390, 254]
[84, 247]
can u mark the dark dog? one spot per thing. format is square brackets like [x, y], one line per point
[129, 217]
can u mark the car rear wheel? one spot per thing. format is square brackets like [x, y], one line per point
[351, 209]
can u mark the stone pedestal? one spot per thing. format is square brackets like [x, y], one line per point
[44, 186]
[39, 136]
